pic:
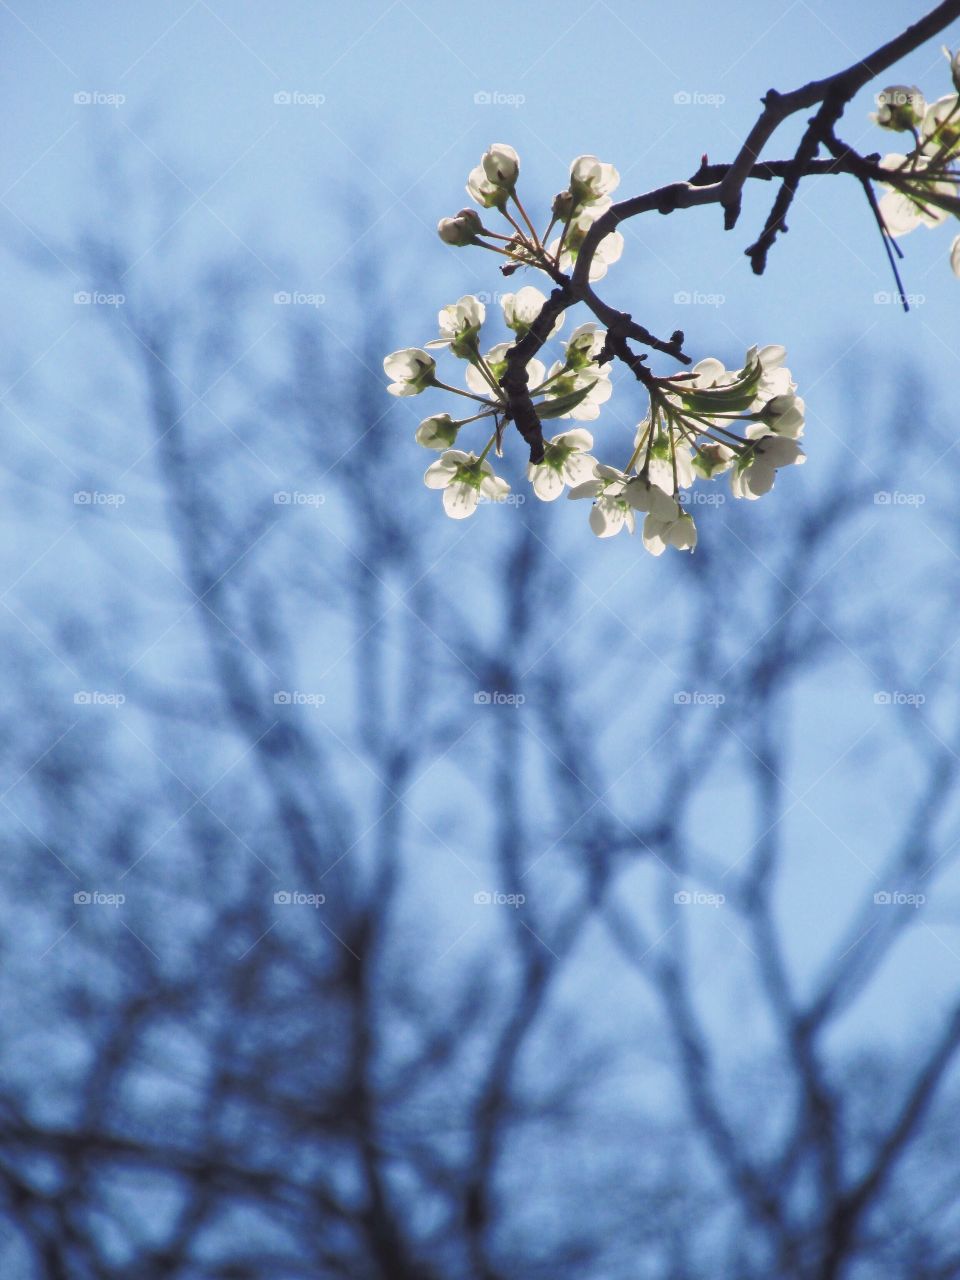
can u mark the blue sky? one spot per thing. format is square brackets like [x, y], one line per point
[390, 104]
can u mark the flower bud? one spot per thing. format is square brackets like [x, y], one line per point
[460, 230]
[900, 108]
[438, 432]
[564, 206]
[954, 60]
[501, 164]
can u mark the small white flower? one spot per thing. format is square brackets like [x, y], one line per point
[460, 323]
[645, 496]
[903, 212]
[438, 432]
[709, 373]
[900, 107]
[611, 511]
[593, 380]
[712, 459]
[941, 127]
[955, 256]
[584, 345]
[659, 459]
[463, 479]
[782, 415]
[754, 472]
[411, 369]
[565, 461]
[606, 253]
[520, 309]
[591, 181]
[659, 534]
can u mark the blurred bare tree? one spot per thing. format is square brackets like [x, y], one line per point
[394, 899]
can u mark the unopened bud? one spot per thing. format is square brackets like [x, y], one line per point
[461, 230]
[564, 205]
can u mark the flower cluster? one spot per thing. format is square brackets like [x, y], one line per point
[692, 433]
[700, 425]
[924, 181]
[493, 185]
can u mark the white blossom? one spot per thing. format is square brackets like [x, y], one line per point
[411, 369]
[592, 181]
[659, 534]
[607, 251]
[941, 127]
[902, 212]
[593, 381]
[463, 477]
[565, 461]
[611, 511]
[755, 471]
[460, 323]
[520, 309]
[643, 495]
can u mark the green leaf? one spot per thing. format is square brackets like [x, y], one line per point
[560, 405]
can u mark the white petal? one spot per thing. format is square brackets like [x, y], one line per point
[460, 500]
[899, 213]
[494, 487]
[439, 474]
[476, 381]
[653, 535]
[606, 519]
[578, 468]
[955, 256]
[708, 371]
[588, 489]
[547, 483]
[577, 438]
